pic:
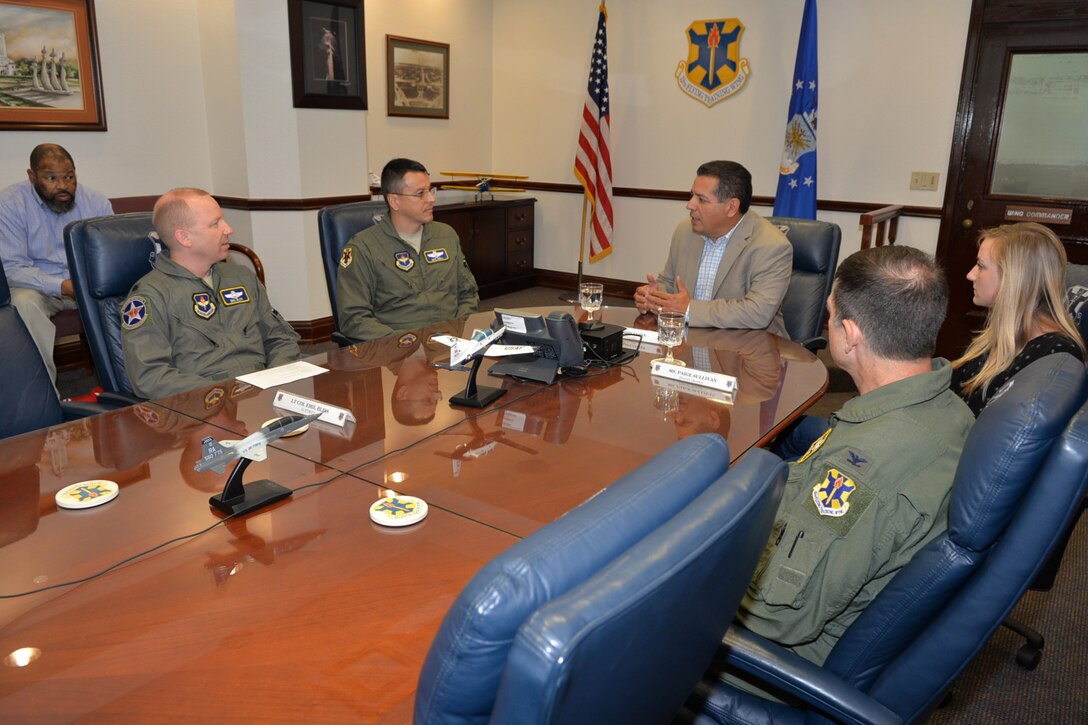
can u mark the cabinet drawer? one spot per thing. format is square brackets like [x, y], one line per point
[519, 252]
[519, 217]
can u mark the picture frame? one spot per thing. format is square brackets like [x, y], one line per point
[57, 86]
[417, 77]
[328, 53]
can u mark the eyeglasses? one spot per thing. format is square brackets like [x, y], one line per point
[421, 194]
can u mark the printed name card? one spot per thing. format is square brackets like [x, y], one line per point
[305, 406]
[701, 391]
[718, 381]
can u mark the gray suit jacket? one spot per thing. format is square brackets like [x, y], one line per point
[752, 278]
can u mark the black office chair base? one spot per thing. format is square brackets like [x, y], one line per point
[1031, 651]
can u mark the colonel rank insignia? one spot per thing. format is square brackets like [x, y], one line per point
[714, 69]
[832, 494]
[404, 261]
[203, 305]
[346, 258]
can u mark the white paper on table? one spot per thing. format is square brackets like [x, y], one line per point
[282, 374]
[636, 339]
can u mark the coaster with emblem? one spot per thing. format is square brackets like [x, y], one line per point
[398, 510]
[85, 494]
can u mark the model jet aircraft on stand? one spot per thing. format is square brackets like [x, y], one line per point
[483, 183]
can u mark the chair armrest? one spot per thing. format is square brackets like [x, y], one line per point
[783, 670]
[342, 340]
[116, 399]
[74, 410]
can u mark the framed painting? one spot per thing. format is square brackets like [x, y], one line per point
[49, 73]
[418, 77]
[328, 53]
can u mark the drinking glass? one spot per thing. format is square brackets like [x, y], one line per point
[590, 296]
[670, 333]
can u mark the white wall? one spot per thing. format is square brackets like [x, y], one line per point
[198, 93]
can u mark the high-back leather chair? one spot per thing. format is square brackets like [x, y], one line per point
[815, 257]
[106, 256]
[1023, 471]
[336, 225]
[460, 675]
[30, 401]
[630, 643]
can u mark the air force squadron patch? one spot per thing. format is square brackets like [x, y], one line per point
[436, 255]
[134, 313]
[404, 261]
[203, 305]
[832, 494]
[346, 258]
[714, 69]
[234, 296]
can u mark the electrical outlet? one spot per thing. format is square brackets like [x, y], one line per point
[924, 180]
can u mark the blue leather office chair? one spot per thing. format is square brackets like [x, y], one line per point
[30, 400]
[336, 225]
[460, 675]
[630, 643]
[106, 256]
[1023, 470]
[815, 257]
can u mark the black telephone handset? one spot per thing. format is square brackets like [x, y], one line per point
[564, 330]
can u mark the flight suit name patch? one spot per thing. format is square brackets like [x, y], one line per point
[404, 261]
[234, 296]
[436, 255]
[203, 305]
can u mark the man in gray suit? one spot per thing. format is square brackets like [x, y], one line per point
[728, 266]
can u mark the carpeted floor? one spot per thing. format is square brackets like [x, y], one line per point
[993, 688]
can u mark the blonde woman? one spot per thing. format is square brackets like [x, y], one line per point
[1020, 276]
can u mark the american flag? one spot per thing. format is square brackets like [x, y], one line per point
[593, 162]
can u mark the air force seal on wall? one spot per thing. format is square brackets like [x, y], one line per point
[714, 69]
[832, 494]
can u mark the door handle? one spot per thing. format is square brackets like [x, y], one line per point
[968, 223]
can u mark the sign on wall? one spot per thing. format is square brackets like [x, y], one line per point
[714, 69]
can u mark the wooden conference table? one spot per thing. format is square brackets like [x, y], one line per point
[306, 610]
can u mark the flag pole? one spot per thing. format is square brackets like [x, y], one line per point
[567, 296]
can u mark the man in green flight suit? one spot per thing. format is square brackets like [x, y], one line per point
[874, 487]
[407, 270]
[192, 321]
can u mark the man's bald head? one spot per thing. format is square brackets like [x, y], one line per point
[172, 212]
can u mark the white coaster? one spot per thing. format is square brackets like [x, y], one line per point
[398, 510]
[292, 434]
[86, 494]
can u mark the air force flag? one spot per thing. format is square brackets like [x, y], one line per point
[796, 196]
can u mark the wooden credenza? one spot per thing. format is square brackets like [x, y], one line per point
[497, 238]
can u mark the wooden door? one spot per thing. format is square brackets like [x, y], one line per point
[1020, 150]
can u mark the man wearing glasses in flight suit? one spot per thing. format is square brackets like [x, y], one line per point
[407, 270]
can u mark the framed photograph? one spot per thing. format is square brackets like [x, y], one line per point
[418, 79]
[328, 53]
[49, 74]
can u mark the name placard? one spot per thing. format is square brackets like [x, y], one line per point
[701, 391]
[1041, 214]
[718, 381]
[298, 404]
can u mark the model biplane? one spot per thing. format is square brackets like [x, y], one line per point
[483, 183]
